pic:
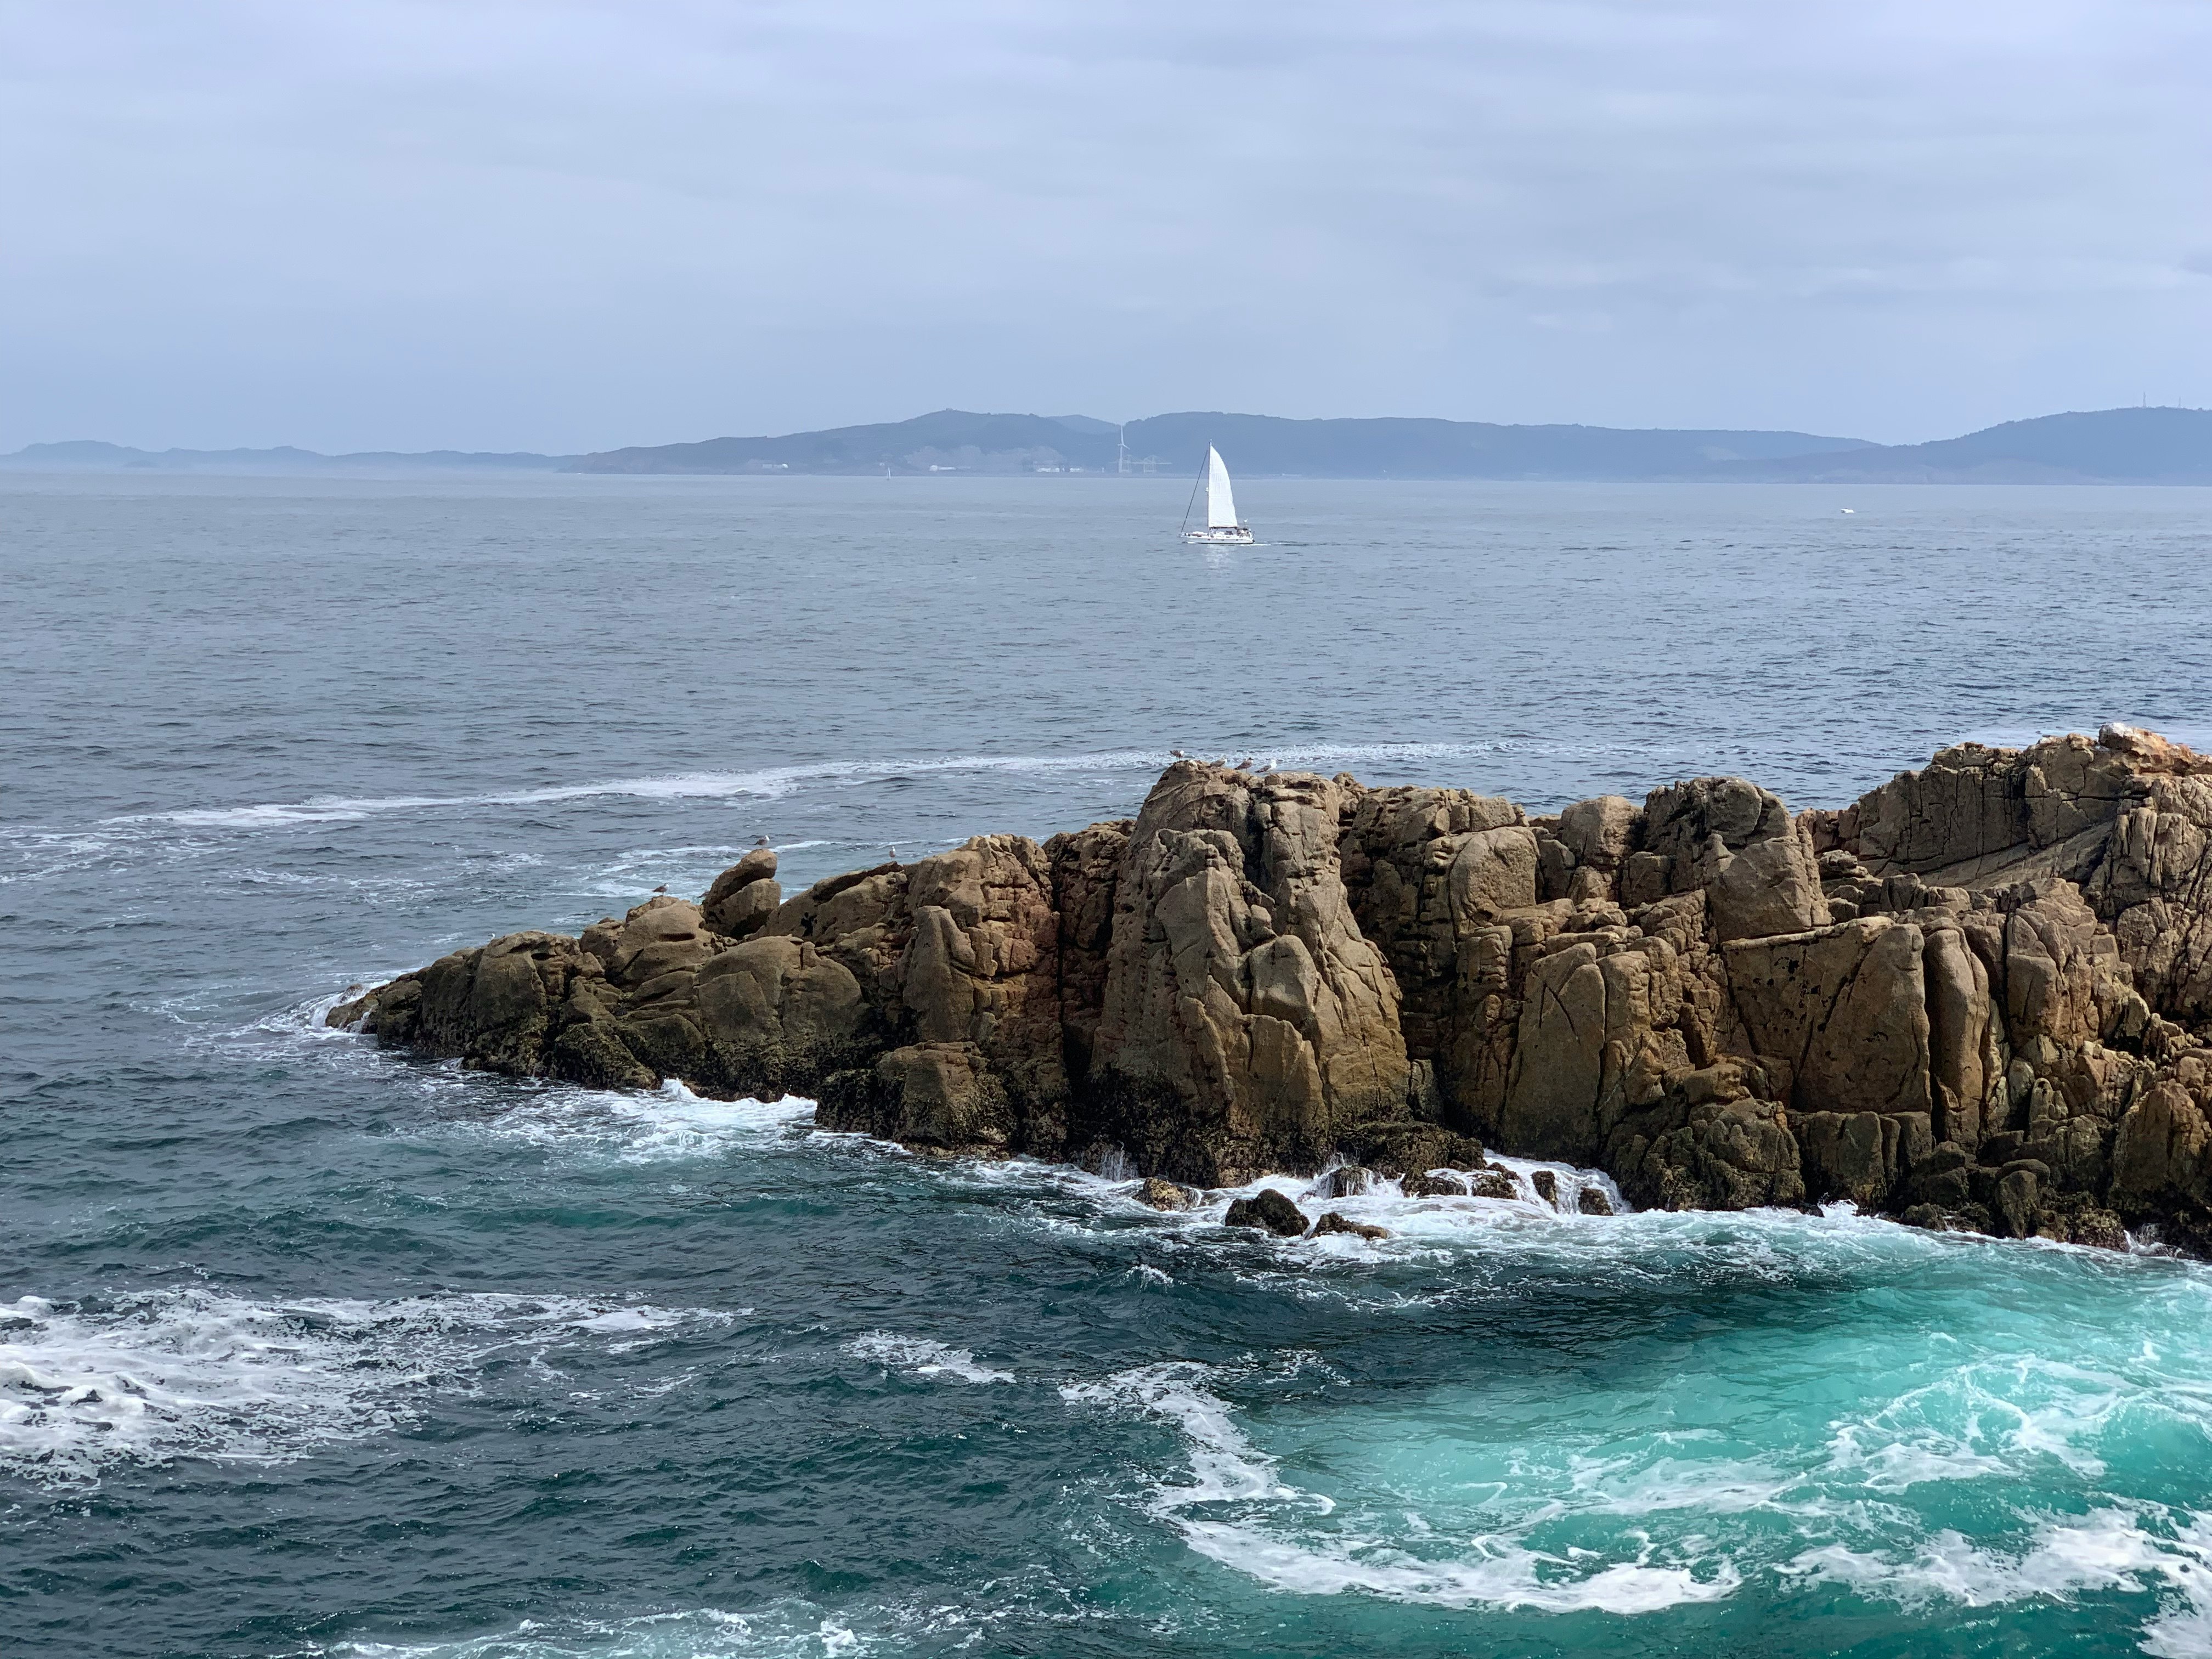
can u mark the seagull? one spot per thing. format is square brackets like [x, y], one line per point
[760, 840]
[1177, 753]
[662, 888]
[1244, 765]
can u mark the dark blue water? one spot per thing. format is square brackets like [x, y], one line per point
[306, 1349]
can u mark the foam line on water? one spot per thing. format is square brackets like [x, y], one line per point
[787, 1630]
[150, 1376]
[774, 783]
[919, 1356]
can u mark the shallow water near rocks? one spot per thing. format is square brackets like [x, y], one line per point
[306, 1349]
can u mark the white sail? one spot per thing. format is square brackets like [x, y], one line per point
[1220, 505]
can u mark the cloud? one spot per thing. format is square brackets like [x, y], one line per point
[580, 224]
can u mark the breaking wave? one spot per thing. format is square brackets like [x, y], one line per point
[1237, 1509]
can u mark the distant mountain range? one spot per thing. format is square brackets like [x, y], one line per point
[952, 440]
[2111, 446]
[89, 455]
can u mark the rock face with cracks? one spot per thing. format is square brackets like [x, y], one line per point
[1979, 997]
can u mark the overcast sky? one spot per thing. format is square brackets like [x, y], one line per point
[368, 223]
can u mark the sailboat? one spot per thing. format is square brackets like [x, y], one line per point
[1221, 526]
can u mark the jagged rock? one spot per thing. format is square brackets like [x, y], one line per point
[1738, 842]
[1085, 873]
[1984, 990]
[1592, 1200]
[1965, 1050]
[1942, 1177]
[1333, 1223]
[1244, 1008]
[1430, 874]
[1712, 1146]
[494, 1007]
[1268, 1211]
[2016, 1203]
[1546, 1185]
[1160, 1194]
[2160, 1152]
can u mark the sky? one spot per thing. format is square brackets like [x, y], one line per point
[562, 225]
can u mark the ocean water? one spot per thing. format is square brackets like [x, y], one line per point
[306, 1349]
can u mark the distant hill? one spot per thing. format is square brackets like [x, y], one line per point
[955, 441]
[2111, 446]
[2104, 445]
[950, 441]
[86, 455]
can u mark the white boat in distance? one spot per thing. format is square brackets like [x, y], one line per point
[1221, 524]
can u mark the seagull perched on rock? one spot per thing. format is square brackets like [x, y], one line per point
[1244, 765]
[760, 840]
[1177, 753]
[662, 888]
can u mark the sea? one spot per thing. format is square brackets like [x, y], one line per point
[308, 1349]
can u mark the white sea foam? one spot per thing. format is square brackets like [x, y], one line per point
[918, 1357]
[774, 783]
[1993, 1417]
[781, 1631]
[1499, 1570]
[2136, 1550]
[667, 1125]
[154, 1376]
[1498, 1573]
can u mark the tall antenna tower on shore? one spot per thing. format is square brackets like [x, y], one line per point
[1121, 445]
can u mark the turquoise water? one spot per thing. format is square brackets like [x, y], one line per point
[308, 1349]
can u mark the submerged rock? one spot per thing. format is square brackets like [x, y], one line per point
[1166, 1194]
[1983, 993]
[1333, 1223]
[1437, 1183]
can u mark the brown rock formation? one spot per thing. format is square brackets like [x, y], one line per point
[1980, 996]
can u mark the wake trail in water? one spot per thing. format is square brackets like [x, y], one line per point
[774, 782]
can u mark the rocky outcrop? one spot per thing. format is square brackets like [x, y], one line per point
[1247, 1023]
[1980, 996]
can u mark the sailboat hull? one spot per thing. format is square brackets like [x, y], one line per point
[1232, 536]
